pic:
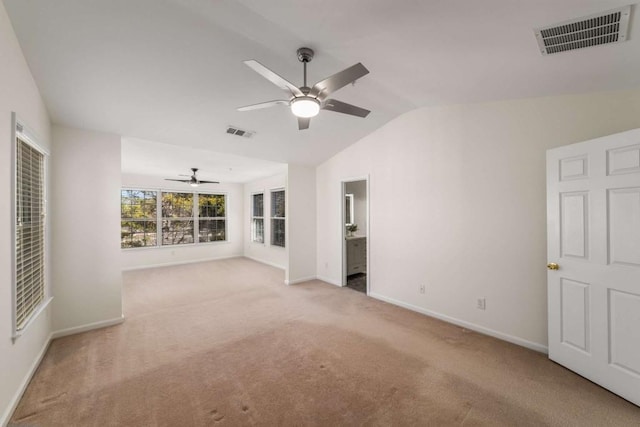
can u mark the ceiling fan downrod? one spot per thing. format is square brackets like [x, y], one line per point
[305, 55]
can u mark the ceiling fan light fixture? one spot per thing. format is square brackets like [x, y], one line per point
[305, 107]
[194, 184]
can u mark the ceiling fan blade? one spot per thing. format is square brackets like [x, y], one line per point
[303, 123]
[339, 80]
[343, 107]
[263, 105]
[178, 180]
[273, 77]
[208, 182]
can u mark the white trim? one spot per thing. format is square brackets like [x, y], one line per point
[272, 264]
[463, 323]
[343, 191]
[27, 134]
[13, 403]
[329, 281]
[31, 138]
[168, 264]
[36, 313]
[194, 216]
[251, 218]
[88, 327]
[301, 280]
[286, 215]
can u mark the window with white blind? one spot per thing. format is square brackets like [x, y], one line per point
[257, 218]
[277, 218]
[29, 231]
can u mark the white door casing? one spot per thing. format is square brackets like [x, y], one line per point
[593, 234]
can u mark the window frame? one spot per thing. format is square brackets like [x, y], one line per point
[195, 218]
[253, 217]
[161, 218]
[274, 218]
[158, 206]
[22, 132]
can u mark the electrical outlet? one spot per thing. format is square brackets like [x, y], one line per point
[423, 288]
[482, 304]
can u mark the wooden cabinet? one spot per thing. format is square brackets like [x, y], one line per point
[356, 255]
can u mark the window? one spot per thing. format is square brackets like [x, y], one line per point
[29, 230]
[257, 218]
[212, 224]
[163, 218]
[277, 218]
[138, 218]
[177, 218]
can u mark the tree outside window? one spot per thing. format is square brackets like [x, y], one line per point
[177, 218]
[138, 221]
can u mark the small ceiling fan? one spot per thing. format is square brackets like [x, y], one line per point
[193, 180]
[306, 102]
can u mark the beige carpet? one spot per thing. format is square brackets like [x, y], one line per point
[226, 343]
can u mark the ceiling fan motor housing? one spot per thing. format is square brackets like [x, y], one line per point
[305, 54]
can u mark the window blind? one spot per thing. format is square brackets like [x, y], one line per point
[29, 231]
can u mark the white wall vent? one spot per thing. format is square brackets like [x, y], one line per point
[233, 130]
[593, 30]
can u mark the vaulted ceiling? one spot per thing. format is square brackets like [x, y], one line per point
[171, 71]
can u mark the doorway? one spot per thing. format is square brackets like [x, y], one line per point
[355, 234]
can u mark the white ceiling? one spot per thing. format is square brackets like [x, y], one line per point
[169, 161]
[171, 71]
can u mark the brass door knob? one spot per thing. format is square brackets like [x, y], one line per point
[553, 266]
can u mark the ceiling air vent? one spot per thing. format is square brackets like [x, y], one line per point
[233, 130]
[601, 28]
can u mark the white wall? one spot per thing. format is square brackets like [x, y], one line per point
[301, 224]
[168, 255]
[87, 279]
[263, 252]
[457, 199]
[19, 93]
[359, 191]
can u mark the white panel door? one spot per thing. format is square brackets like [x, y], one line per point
[593, 219]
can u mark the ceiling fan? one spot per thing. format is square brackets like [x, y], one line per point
[306, 102]
[193, 180]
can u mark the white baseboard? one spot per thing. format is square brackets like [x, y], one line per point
[261, 261]
[168, 264]
[4, 419]
[88, 327]
[330, 281]
[468, 325]
[296, 281]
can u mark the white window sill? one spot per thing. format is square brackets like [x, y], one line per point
[32, 318]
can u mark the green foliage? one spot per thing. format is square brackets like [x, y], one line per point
[211, 205]
[137, 204]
